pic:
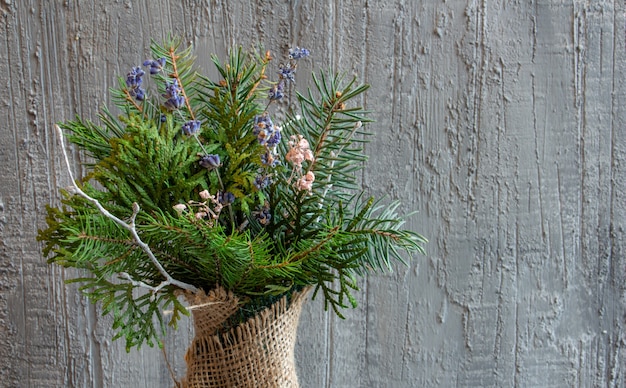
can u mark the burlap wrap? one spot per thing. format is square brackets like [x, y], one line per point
[257, 353]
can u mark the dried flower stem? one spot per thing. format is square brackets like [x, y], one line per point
[169, 280]
[131, 100]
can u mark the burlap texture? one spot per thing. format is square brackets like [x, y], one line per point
[257, 353]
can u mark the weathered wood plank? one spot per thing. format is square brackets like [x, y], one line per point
[501, 122]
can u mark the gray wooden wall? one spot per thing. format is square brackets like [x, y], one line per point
[502, 122]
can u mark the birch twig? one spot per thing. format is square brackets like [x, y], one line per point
[169, 280]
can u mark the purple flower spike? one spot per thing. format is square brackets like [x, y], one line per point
[262, 214]
[265, 131]
[225, 198]
[133, 78]
[155, 65]
[172, 93]
[274, 138]
[262, 181]
[210, 161]
[277, 91]
[298, 53]
[269, 158]
[172, 88]
[174, 102]
[287, 72]
[191, 127]
[138, 93]
[133, 83]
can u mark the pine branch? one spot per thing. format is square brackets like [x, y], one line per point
[174, 57]
[334, 154]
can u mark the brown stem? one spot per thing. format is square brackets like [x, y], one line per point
[262, 76]
[130, 99]
[175, 76]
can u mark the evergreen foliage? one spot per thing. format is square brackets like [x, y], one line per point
[227, 197]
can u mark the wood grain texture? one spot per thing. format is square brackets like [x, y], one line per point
[501, 122]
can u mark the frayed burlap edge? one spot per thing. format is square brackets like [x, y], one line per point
[257, 353]
[211, 310]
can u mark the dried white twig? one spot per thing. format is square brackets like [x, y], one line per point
[193, 307]
[169, 280]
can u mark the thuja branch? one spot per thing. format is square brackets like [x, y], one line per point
[130, 226]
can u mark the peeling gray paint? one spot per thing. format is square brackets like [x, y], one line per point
[501, 122]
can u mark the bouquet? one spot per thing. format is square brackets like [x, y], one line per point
[242, 183]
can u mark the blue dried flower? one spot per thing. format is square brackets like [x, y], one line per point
[298, 53]
[133, 78]
[173, 95]
[287, 72]
[277, 91]
[225, 198]
[265, 131]
[174, 102]
[263, 215]
[269, 159]
[274, 138]
[138, 93]
[134, 81]
[262, 181]
[263, 121]
[191, 127]
[210, 161]
[155, 65]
